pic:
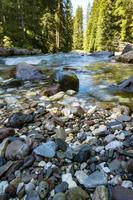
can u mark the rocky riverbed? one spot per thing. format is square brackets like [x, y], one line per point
[50, 149]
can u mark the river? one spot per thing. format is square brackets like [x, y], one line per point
[95, 72]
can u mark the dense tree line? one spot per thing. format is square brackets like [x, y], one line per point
[47, 25]
[110, 22]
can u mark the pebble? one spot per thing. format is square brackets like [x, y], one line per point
[114, 145]
[69, 180]
[121, 193]
[95, 179]
[101, 193]
[17, 150]
[100, 131]
[3, 186]
[47, 149]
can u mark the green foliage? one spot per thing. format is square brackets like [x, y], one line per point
[111, 22]
[78, 29]
[37, 24]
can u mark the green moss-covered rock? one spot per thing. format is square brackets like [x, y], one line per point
[68, 81]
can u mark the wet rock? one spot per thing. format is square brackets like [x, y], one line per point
[126, 57]
[62, 187]
[101, 193]
[59, 196]
[18, 120]
[26, 72]
[11, 100]
[127, 48]
[83, 154]
[43, 189]
[95, 179]
[77, 193]
[91, 140]
[126, 85]
[6, 132]
[114, 145]
[17, 150]
[121, 193]
[68, 81]
[69, 180]
[47, 149]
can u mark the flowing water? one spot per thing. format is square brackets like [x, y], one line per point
[96, 73]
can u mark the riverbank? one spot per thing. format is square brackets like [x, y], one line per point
[54, 150]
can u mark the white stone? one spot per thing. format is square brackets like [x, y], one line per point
[109, 138]
[11, 100]
[57, 96]
[100, 130]
[3, 186]
[68, 179]
[127, 184]
[114, 145]
[91, 140]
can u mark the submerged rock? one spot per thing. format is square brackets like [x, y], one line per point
[68, 80]
[126, 85]
[18, 120]
[26, 72]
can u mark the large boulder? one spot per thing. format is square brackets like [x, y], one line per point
[126, 57]
[26, 72]
[127, 48]
[68, 81]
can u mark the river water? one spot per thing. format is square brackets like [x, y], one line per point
[96, 73]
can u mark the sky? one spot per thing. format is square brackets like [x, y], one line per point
[83, 3]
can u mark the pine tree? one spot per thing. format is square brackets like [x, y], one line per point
[68, 26]
[78, 29]
[104, 33]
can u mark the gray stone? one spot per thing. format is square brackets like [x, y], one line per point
[124, 118]
[114, 145]
[115, 125]
[32, 196]
[4, 168]
[59, 196]
[3, 147]
[60, 133]
[29, 187]
[47, 149]
[43, 189]
[77, 193]
[95, 179]
[101, 130]
[17, 150]
[121, 193]
[62, 187]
